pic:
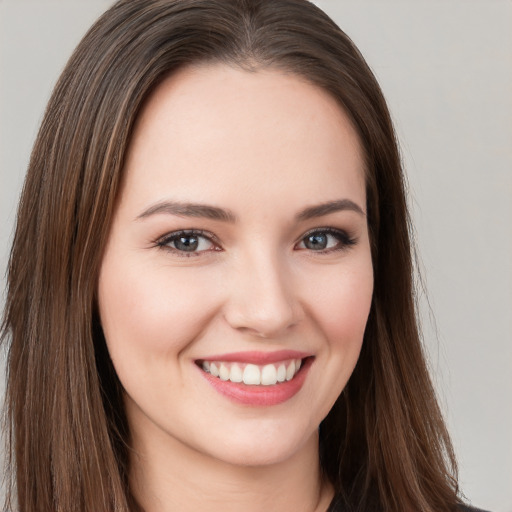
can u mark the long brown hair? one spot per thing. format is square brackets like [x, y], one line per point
[383, 446]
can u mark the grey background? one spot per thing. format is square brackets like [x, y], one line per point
[446, 70]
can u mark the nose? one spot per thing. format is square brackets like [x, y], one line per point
[261, 298]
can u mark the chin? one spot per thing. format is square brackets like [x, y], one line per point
[265, 445]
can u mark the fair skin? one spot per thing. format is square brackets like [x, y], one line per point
[278, 271]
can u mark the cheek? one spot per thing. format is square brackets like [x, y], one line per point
[150, 313]
[341, 305]
[339, 308]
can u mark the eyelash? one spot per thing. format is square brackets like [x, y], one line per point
[165, 241]
[345, 241]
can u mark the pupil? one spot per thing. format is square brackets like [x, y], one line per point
[186, 243]
[316, 242]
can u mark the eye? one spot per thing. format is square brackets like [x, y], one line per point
[188, 243]
[326, 240]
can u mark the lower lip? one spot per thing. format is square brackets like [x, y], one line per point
[260, 395]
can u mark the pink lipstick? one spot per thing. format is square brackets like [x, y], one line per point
[257, 378]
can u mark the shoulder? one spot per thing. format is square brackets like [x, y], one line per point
[466, 508]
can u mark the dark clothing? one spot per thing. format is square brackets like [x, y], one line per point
[337, 506]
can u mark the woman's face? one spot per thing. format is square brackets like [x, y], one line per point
[239, 248]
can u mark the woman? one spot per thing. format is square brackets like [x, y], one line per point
[210, 289]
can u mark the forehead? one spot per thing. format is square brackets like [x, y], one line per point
[214, 130]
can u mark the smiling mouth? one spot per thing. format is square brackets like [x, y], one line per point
[253, 374]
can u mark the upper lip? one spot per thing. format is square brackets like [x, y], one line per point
[257, 357]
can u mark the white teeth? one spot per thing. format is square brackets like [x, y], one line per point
[214, 370]
[223, 372]
[252, 375]
[269, 375]
[236, 374]
[290, 371]
[281, 373]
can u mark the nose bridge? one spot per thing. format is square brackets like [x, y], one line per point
[262, 298]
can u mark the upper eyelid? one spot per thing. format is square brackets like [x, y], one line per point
[324, 229]
[189, 232]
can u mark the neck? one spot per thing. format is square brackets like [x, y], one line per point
[169, 476]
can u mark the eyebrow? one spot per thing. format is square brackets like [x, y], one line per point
[189, 210]
[225, 215]
[329, 207]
